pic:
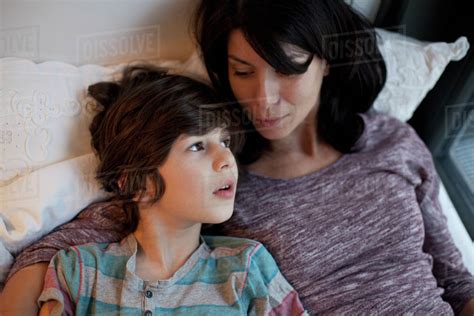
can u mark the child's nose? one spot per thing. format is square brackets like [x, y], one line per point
[224, 160]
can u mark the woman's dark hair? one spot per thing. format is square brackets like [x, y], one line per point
[329, 29]
[141, 117]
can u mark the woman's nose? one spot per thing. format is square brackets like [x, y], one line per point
[267, 91]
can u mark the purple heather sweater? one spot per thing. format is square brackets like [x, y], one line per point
[364, 235]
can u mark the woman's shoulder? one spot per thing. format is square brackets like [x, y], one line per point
[383, 132]
[390, 144]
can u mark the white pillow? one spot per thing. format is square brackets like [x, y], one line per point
[44, 119]
[45, 114]
[6, 260]
[55, 190]
[413, 67]
[34, 204]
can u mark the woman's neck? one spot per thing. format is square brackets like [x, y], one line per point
[303, 141]
[300, 153]
[162, 246]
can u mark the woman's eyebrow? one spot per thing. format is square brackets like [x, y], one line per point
[239, 60]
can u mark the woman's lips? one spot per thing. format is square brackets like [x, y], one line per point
[270, 122]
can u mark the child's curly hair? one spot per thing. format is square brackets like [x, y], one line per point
[141, 117]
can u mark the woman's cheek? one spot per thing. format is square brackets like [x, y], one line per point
[239, 89]
[235, 89]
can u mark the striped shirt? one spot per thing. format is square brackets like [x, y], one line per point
[224, 276]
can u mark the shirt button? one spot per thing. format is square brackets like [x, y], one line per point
[148, 313]
[149, 294]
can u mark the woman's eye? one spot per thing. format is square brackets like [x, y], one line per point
[242, 73]
[196, 147]
[286, 75]
[226, 142]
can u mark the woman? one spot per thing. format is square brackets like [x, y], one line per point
[345, 200]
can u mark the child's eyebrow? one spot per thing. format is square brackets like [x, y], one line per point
[183, 140]
[225, 132]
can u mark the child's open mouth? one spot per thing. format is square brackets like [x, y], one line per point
[225, 190]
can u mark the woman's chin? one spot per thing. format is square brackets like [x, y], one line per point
[279, 130]
[274, 133]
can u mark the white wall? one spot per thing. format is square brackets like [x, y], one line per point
[100, 31]
[104, 31]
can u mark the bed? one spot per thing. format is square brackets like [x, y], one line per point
[53, 50]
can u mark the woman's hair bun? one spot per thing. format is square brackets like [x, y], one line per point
[105, 93]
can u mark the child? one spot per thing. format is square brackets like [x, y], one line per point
[163, 142]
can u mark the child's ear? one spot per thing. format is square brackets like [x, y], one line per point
[147, 195]
[121, 182]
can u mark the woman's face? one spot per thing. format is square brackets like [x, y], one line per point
[277, 104]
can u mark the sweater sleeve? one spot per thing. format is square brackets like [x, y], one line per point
[448, 267]
[271, 292]
[100, 222]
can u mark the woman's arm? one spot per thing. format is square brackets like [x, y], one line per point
[101, 222]
[22, 291]
[448, 267]
[468, 309]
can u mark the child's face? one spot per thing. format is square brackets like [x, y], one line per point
[200, 175]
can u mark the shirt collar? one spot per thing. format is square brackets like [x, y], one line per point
[134, 282]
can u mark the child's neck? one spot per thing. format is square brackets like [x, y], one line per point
[163, 248]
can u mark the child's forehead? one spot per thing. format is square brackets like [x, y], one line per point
[214, 132]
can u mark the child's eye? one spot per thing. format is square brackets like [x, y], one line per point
[226, 142]
[196, 147]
